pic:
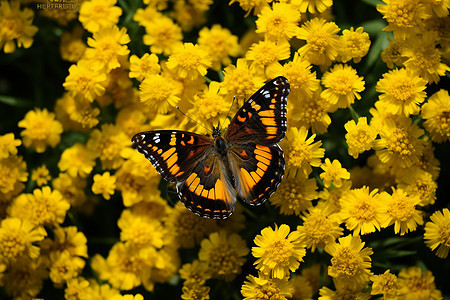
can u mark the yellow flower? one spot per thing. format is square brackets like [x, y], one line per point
[107, 47]
[76, 115]
[321, 39]
[125, 267]
[25, 278]
[15, 24]
[265, 287]
[189, 229]
[144, 66]
[41, 175]
[295, 194]
[400, 209]
[224, 254]
[108, 143]
[399, 145]
[159, 93]
[134, 118]
[333, 171]
[361, 210]
[436, 113]
[359, 136]
[331, 197]
[279, 22]
[140, 231]
[41, 130]
[83, 82]
[104, 184]
[392, 54]
[265, 57]
[189, 61]
[343, 86]
[66, 239]
[77, 160]
[240, 81]
[405, 17]
[44, 207]
[313, 6]
[72, 189]
[386, 284]
[220, 44]
[72, 46]
[350, 262]
[343, 292]
[128, 297]
[418, 284]
[319, 227]
[353, 45]
[301, 80]
[16, 240]
[310, 112]
[196, 272]
[77, 288]
[302, 288]
[278, 251]
[402, 92]
[99, 14]
[8, 145]
[162, 35]
[417, 182]
[195, 292]
[248, 5]
[301, 152]
[64, 267]
[424, 58]
[13, 173]
[209, 107]
[437, 233]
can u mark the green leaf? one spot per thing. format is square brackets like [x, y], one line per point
[373, 2]
[15, 102]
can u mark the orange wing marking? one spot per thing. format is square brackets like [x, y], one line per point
[168, 153]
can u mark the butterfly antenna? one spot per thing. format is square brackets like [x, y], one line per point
[177, 107]
[232, 102]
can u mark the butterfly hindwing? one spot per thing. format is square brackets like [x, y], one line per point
[262, 118]
[173, 153]
[257, 170]
[208, 191]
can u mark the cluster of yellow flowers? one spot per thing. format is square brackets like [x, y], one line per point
[134, 63]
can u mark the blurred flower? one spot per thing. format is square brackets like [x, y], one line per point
[72, 46]
[99, 14]
[313, 6]
[265, 57]
[278, 251]
[64, 267]
[436, 113]
[224, 254]
[83, 82]
[414, 281]
[350, 262]
[437, 233]
[265, 287]
[77, 160]
[13, 175]
[41, 175]
[8, 145]
[104, 184]
[249, 5]
[195, 292]
[162, 35]
[15, 24]
[196, 272]
[40, 130]
[220, 44]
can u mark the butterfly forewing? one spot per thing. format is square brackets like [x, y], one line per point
[174, 154]
[263, 116]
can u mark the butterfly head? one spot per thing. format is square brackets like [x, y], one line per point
[216, 132]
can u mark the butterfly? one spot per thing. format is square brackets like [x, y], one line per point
[245, 163]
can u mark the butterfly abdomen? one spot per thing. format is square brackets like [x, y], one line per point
[221, 146]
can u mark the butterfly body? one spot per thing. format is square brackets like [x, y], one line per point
[245, 163]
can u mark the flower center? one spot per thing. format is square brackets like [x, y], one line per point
[346, 263]
[318, 42]
[401, 14]
[399, 143]
[364, 211]
[402, 91]
[444, 234]
[280, 252]
[299, 154]
[12, 28]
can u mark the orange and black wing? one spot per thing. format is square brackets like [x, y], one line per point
[257, 171]
[174, 154]
[208, 191]
[262, 118]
